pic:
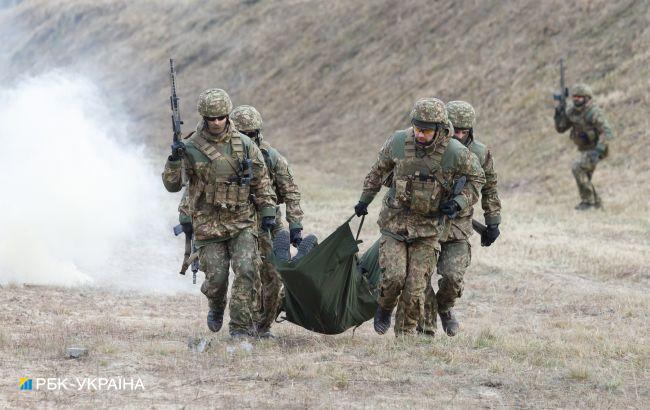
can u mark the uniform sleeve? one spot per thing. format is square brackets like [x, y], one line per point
[562, 122]
[490, 201]
[261, 183]
[382, 167]
[287, 189]
[183, 211]
[601, 124]
[172, 176]
[469, 167]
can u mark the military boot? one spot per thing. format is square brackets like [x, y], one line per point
[265, 334]
[239, 334]
[215, 319]
[583, 206]
[281, 244]
[306, 245]
[382, 320]
[449, 322]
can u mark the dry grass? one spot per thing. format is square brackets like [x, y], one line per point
[555, 314]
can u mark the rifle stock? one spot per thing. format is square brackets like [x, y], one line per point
[478, 227]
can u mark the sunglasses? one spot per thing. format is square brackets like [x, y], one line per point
[424, 131]
[212, 119]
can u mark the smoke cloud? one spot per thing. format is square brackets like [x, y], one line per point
[79, 204]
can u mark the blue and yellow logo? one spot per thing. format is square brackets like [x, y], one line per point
[25, 383]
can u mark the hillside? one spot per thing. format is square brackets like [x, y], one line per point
[334, 78]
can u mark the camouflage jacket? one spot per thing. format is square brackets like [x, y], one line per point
[420, 180]
[285, 187]
[589, 127]
[217, 201]
[460, 228]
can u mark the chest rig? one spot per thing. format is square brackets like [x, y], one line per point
[583, 132]
[224, 181]
[418, 179]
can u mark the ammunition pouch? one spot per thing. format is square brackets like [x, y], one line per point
[420, 193]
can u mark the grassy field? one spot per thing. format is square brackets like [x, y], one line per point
[547, 322]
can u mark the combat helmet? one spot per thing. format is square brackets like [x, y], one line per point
[214, 102]
[246, 118]
[461, 114]
[429, 113]
[582, 90]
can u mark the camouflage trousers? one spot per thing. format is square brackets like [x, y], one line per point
[583, 169]
[405, 268]
[455, 257]
[271, 283]
[215, 259]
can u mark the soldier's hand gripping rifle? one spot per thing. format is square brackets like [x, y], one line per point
[564, 92]
[178, 148]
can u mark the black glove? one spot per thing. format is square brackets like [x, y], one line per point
[178, 149]
[559, 111]
[295, 235]
[490, 235]
[268, 223]
[361, 208]
[450, 208]
[187, 228]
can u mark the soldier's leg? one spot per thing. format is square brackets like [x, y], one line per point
[422, 256]
[455, 258]
[215, 261]
[582, 169]
[271, 284]
[452, 268]
[244, 258]
[393, 263]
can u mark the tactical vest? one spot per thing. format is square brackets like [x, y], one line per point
[480, 150]
[418, 183]
[583, 132]
[220, 184]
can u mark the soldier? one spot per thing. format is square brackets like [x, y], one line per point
[223, 168]
[424, 162]
[591, 132]
[455, 253]
[249, 122]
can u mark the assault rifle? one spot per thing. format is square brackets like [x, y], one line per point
[191, 255]
[564, 91]
[176, 116]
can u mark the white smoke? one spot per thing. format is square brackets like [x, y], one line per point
[78, 205]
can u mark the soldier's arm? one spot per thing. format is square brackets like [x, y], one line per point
[183, 211]
[562, 122]
[490, 201]
[287, 189]
[172, 176]
[261, 183]
[382, 166]
[604, 130]
[470, 168]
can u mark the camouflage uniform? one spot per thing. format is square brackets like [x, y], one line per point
[223, 218]
[420, 179]
[591, 132]
[248, 120]
[455, 254]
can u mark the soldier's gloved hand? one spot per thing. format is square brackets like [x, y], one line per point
[361, 208]
[295, 235]
[450, 208]
[559, 111]
[178, 149]
[490, 235]
[187, 228]
[268, 223]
